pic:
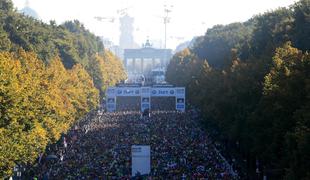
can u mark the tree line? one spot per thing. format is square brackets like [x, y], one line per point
[251, 80]
[50, 76]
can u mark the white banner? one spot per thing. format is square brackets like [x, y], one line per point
[180, 104]
[145, 102]
[180, 99]
[141, 159]
[111, 104]
[110, 91]
[111, 100]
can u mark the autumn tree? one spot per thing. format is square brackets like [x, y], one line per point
[37, 104]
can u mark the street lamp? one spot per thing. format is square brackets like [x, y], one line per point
[167, 10]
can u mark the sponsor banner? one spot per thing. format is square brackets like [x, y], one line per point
[111, 107]
[145, 91]
[111, 91]
[145, 103]
[180, 100]
[111, 100]
[128, 91]
[180, 103]
[180, 91]
[162, 92]
[145, 100]
[111, 103]
[180, 107]
[144, 107]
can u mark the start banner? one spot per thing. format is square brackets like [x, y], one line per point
[146, 94]
[128, 91]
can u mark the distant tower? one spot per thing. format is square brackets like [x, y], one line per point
[28, 11]
[126, 40]
[27, 4]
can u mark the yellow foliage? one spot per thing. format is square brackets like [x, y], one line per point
[106, 70]
[37, 104]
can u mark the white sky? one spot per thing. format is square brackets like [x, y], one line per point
[189, 18]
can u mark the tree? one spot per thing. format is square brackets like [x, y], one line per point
[301, 25]
[38, 104]
[106, 70]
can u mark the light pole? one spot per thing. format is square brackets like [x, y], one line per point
[167, 10]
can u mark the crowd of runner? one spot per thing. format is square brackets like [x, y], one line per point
[99, 147]
[128, 103]
[163, 103]
[134, 103]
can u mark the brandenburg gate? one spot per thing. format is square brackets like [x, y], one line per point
[143, 60]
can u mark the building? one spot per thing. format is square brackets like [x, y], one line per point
[126, 39]
[145, 59]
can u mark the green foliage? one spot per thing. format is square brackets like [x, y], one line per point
[71, 40]
[219, 40]
[106, 70]
[271, 30]
[301, 25]
[286, 99]
[6, 5]
[252, 86]
[182, 68]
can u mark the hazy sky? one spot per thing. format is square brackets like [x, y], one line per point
[189, 18]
